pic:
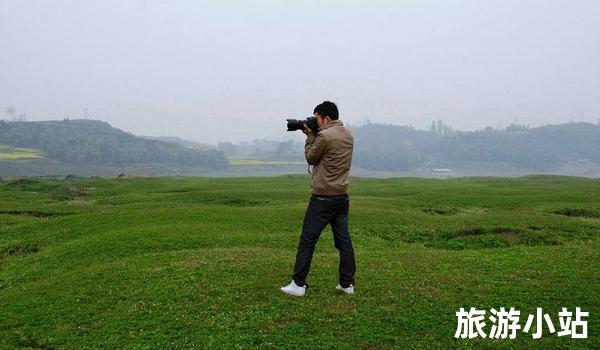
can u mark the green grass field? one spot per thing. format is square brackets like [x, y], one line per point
[152, 263]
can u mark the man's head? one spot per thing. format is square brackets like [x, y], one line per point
[326, 112]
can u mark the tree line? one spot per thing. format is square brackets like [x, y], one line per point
[96, 142]
[399, 148]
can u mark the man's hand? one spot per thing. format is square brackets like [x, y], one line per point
[307, 130]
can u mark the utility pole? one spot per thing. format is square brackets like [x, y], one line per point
[85, 113]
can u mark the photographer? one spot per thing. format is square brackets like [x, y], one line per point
[330, 152]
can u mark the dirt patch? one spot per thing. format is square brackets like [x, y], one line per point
[19, 249]
[478, 231]
[503, 231]
[579, 213]
[34, 213]
[476, 238]
[506, 233]
[30, 342]
[475, 231]
[237, 201]
[440, 211]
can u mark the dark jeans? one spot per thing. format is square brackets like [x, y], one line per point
[323, 210]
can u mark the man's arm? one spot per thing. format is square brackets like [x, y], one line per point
[314, 148]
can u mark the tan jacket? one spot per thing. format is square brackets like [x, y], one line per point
[331, 154]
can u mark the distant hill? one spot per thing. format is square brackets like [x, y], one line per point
[92, 147]
[392, 150]
[183, 142]
[81, 144]
[542, 149]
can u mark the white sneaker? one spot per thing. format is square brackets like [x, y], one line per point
[294, 289]
[348, 290]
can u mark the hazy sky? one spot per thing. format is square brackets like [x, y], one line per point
[233, 70]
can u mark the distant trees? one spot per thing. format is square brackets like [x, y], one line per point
[96, 142]
[388, 147]
[396, 148]
[401, 148]
[288, 150]
[377, 146]
[440, 128]
[227, 147]
[517, 128]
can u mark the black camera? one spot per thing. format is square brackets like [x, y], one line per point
[311, 122]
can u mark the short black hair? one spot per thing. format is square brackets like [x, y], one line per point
[327, 109]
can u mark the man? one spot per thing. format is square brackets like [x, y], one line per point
[330, 152]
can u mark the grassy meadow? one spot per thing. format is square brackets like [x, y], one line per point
[191, 262]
